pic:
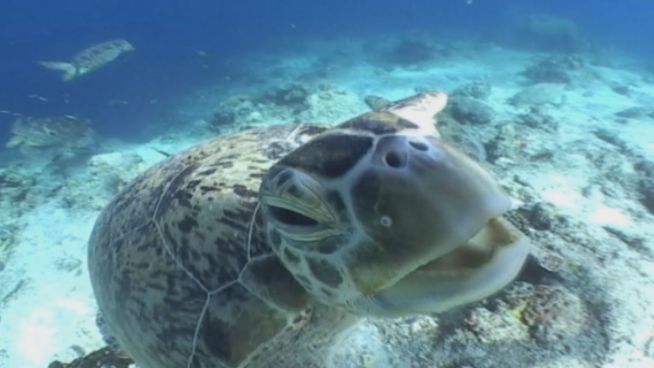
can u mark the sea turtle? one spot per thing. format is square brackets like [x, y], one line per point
[90, 59]
[257, 248]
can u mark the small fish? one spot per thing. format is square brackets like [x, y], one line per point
[201, 52]
[34, 96]
[117, 102]
[6, 112]
[89, 59]
[71, 117]
[162, 152]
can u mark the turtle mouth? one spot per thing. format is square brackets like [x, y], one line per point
[474, 270]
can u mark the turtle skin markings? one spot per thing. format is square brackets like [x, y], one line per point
[180, 268]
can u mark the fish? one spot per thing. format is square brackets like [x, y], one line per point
[162, 152]
[89, 59]
[34, 96]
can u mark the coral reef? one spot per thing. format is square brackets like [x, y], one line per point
[242, 111]
[108, 173]
[59, 131]
[291, 103]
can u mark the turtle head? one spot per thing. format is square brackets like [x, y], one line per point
[382, 217]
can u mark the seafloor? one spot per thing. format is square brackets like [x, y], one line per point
[569, 135]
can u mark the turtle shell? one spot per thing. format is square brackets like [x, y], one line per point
[179, 264]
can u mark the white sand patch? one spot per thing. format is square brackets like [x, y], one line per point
[54, 306]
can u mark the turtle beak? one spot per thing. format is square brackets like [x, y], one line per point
[476, 269]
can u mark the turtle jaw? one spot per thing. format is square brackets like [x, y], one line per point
[483, 265]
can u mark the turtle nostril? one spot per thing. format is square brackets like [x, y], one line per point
[394, 159]
[418, 145]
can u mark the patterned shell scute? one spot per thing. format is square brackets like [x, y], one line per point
[205, 216]
[183, 244]
[222, 336]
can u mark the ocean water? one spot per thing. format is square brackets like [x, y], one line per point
[554, 98]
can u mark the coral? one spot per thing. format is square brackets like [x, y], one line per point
[58, 131]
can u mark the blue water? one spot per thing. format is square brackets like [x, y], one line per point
[168, 35]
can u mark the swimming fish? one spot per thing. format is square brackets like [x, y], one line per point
[89, 59]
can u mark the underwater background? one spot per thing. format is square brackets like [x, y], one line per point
[169, 34]
[555, 97]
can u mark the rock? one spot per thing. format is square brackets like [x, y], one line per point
[645, 167]
[539, 95]
[540, 215]
[467, 110]
[471, 146]
[621, 89]
[376, 103]
[537, 119]
[635, 112]
[478, 90]
[232, 113]
[293, 96]
[612, 137]
[646, 189]
[554, 313]
[222, 117]
[553, 70]
[104, 357]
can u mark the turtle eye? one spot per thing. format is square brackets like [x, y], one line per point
[290, 217]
